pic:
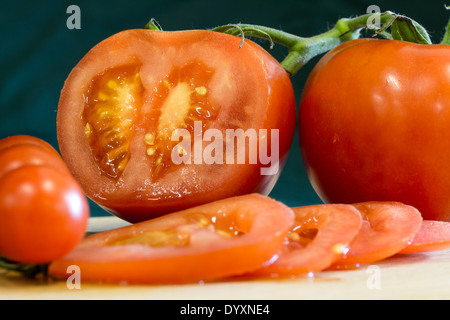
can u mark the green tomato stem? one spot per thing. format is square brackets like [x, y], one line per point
[446, 38]
[301, 49]
[153, 25]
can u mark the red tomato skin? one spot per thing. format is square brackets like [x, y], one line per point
[19, 155]
[156, 199]
[43, 214]
[374, 119]
[26, 139]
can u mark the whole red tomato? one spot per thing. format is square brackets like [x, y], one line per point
[43, 211]
[125, 102]
[374, 125]
[43, 214]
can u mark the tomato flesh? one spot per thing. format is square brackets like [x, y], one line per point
[319, 236]
[387, 228]
[215, 240]
[141, 98]
[432, 236]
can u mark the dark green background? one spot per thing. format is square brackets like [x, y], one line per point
[38, 51]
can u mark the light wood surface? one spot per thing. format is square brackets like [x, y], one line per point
[417, 276]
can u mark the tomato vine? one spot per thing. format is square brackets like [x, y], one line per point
[303, 49]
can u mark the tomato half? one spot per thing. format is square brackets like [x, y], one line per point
[43, 214]
[374, 119]
[432, 236]
[319, 236]
[141, 98]
[387, 228]
[219, 239]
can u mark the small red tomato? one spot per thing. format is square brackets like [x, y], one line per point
[43, 214]
[27, 140]
[19, 155]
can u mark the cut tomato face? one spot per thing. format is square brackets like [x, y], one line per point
[215, 240]
[432, 236]
[152, 122]
[387, 228]
[319, 236]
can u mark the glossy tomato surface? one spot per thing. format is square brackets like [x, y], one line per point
[387, 228]
[319, 236]
[374, 119]
[140, 99]
[26, 140]
[215, 240]
[20, 155]
[43, 214]
[432, 236]
[43, 211]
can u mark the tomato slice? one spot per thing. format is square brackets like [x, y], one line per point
[219, 239]
[142, 98]
[432, 236]
[387, 228]
[320, 235]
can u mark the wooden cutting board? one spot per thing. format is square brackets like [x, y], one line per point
[415, 276]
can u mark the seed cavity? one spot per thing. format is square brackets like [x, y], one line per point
[112, 103]
[88, 130]
[181, 98]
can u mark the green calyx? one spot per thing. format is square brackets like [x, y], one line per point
[153, 25]
[446, 38]
[303, 49]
